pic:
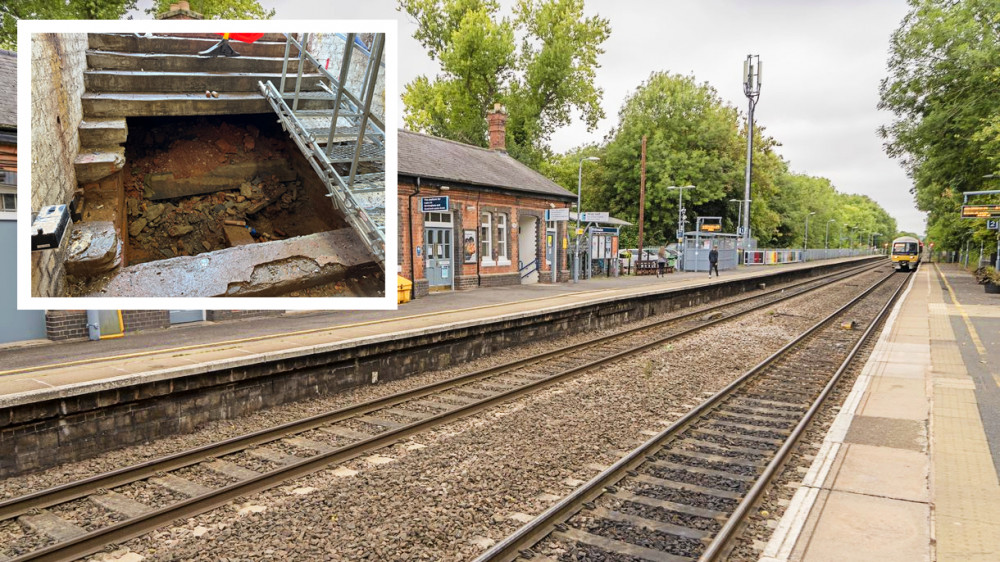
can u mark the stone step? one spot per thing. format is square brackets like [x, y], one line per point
[113, 60]
[275, 37]
[162, 104]
[130, 43]
[102, 132]
[98, 163]
[260, 270]
[188, 82]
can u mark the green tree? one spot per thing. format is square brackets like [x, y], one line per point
[942, 86]
[540, 79]
[13, 11]
[693, 138]
[219, 9]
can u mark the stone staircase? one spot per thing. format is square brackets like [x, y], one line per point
[163, 75]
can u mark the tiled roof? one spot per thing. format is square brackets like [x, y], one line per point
[441, 159]
[8, 89]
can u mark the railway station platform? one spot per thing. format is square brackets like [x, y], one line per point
[909, 469]
[45, 367]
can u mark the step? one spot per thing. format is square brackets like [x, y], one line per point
[188, 82]
[98, 163]
[161, 104]
[274, 37]
[130, 43]
[102, 132]
[113, 60]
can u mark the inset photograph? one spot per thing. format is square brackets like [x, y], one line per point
[195, 165]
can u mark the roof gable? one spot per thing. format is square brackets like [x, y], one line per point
[441, 159]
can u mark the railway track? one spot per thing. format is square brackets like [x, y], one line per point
[131, 501]
[686, 493]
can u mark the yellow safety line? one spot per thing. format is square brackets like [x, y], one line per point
[274, 336]
[965, 317]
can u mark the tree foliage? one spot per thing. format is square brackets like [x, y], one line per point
[944, 70]
[13, 11]
[541, 79]
[220, 9]
[694, 138]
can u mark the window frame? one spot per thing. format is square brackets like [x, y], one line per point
[486, 239]
[502, 239]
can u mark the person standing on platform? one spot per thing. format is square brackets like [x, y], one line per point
[661, 261]
[713, 262]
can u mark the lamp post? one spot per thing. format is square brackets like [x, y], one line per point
[751, 89]
[680, 215]
[805, 238]
[827, 243]
[576, 252]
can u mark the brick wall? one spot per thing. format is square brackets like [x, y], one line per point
[61, 325]
[136, 320]
[221, 315]
[467, 207]
[57, 62]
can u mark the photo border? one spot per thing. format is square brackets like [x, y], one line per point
[27, 27]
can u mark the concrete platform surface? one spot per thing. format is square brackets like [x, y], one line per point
[50, 366]
[909, 469]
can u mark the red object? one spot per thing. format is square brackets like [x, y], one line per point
[244, 37]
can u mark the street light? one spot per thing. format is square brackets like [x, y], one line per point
[827, 243]
[805, 239]
[576, 252]
[680, 218]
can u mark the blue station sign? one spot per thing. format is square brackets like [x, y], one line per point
[434, 204]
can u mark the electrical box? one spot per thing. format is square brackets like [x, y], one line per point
[48, 227]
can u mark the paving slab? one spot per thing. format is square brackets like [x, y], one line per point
[897, 397]
[862, 527]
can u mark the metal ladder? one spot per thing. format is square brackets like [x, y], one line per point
[347, 133]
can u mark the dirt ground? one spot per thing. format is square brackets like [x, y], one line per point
[192, 225]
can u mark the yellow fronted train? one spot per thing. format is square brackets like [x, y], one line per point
[906, 251]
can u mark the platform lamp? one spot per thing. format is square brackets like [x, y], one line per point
[751, 89]
[805, 238]
[827, 243]
[579, 184]
[680, 215]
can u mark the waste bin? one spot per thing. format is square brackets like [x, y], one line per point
[404, 288]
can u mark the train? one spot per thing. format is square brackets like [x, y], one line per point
[906, 252]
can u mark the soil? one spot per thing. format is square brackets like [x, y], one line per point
[192, 225]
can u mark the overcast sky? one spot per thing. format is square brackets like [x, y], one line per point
[823, 60]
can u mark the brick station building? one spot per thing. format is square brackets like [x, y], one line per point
[477, 215]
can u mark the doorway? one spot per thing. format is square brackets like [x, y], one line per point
[527, 248]
[438, 254]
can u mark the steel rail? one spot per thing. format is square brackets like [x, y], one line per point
[540, 527]
[81, 488]
[137, 526]
[722, 542]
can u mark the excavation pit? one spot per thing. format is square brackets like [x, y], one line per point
[230, 195]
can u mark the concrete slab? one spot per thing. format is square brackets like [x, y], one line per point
[263, 269]
[154, 104]
[897, 398]
[98, 163]
[888, 432]
[883, 472]
[102, 132]
[860, 527]
[230, 176]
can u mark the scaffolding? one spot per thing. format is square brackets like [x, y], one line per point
[338, 141]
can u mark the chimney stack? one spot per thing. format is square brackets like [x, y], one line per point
[497, 119]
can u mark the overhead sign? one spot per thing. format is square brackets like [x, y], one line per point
[981, 211]
[595, 217]
[434, 204]
[711, 227]
[603, 229]
[557, 214]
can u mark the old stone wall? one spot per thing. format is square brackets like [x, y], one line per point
[328, 48]
[57, 63]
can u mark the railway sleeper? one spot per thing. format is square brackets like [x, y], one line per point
[659, 463]
[616, 546]
[755, 431]
[750, 410]
[754, 445]
[665, 483]
[651, 524]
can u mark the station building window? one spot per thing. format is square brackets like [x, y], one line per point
[503, 258]
[486, 238]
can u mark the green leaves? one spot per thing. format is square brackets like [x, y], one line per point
[541, 80]
[942, 86]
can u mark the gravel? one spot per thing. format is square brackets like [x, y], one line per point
[472, 479]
